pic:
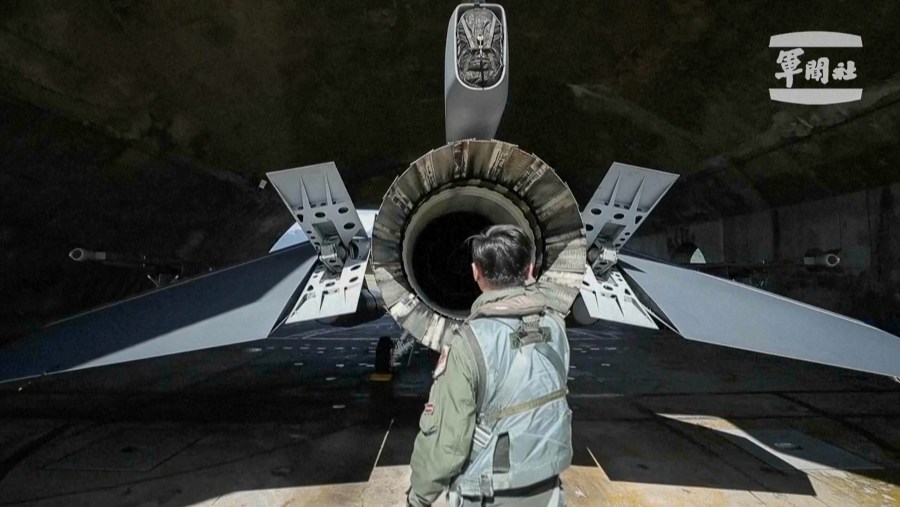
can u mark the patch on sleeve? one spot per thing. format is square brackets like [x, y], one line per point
[429, 408]
[442, 362]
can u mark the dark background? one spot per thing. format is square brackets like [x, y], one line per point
[145, 127]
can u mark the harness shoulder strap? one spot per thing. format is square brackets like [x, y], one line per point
[471, 342]
[548, 352]
[514, 308]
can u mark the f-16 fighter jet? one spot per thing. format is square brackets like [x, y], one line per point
[412, 263]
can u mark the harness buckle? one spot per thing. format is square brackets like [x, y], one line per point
[530, 331]
[483, 434]
[487, 486]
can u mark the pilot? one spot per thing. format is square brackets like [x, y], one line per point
[497, 429]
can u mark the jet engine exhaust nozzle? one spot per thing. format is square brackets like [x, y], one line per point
[419, 252]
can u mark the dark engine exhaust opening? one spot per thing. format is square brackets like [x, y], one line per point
[420, 261]
[441, 261]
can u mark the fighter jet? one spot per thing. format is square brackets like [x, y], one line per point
[411, 261]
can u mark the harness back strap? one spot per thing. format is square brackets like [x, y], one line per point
[524, 407]
[508, 386]
[505, 391]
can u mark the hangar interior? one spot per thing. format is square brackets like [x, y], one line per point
[146, 129]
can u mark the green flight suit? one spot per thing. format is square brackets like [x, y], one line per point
[447, 425]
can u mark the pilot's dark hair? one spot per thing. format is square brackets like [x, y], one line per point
[503, 252]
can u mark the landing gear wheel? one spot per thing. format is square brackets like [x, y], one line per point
[384, 354]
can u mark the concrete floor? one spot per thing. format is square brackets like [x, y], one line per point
[295, 421]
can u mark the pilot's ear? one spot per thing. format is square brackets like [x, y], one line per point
[529, 272]
[476, 272]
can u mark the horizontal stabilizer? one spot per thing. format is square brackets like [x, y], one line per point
[709, 309]
[233, 305]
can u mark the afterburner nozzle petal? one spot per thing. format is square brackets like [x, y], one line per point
[419, 253]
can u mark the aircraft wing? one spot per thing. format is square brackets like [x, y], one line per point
[323, 278]
[234, 305]
[714, 310]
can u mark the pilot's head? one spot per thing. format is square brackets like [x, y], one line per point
[502, 257]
